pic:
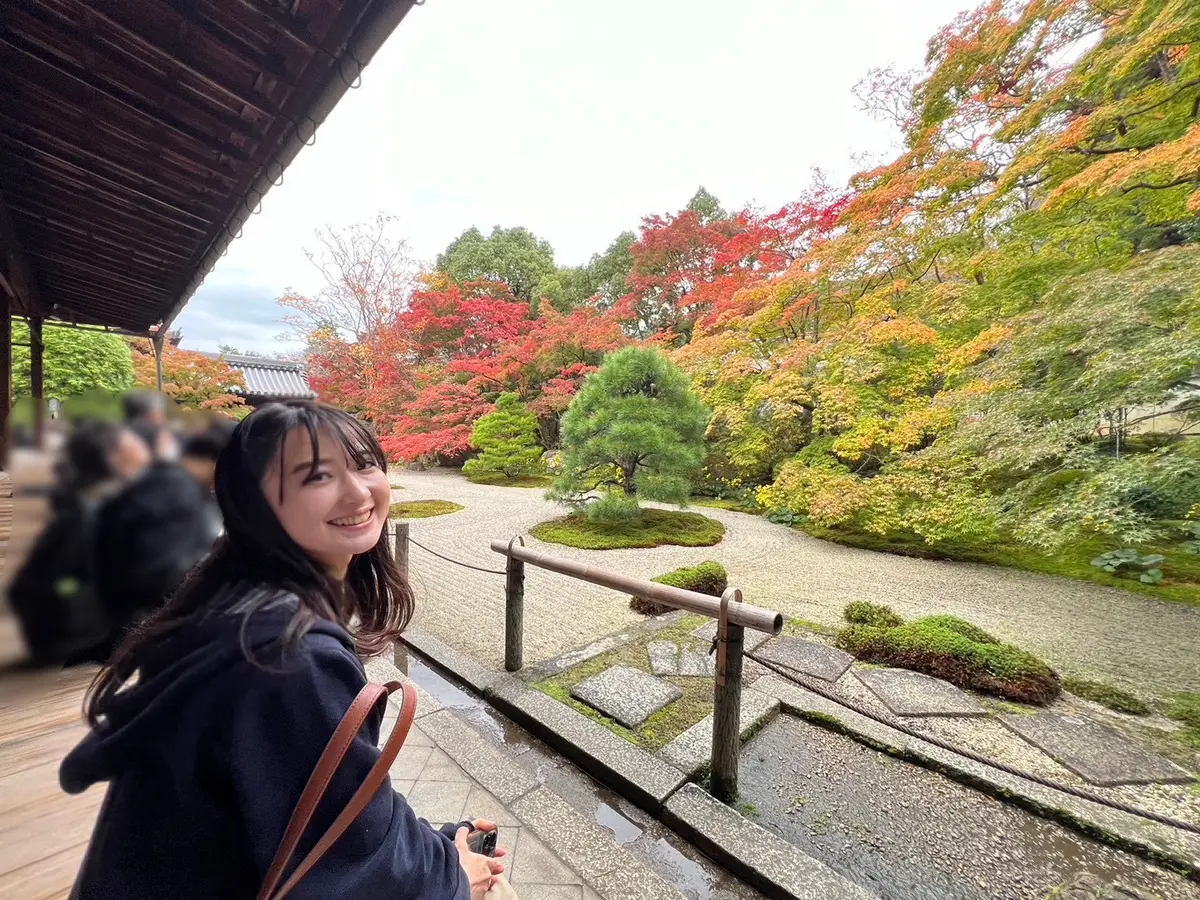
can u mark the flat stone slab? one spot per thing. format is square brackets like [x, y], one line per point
[756, 855]
[669, 658]
[1093, 751]
[750, 641]
[692, 750]
[627, 696]
[600, 752]
[908, 693]
[808, 658]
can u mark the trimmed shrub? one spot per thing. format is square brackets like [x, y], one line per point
[961, 653]
[706, 578]
[863, 612]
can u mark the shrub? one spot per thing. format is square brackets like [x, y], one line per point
[1106, 695]
[706, 578]
[863, 612]
[1129, 559]
[963, 654]
[507, 439]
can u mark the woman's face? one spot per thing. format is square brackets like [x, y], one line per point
[333, 511]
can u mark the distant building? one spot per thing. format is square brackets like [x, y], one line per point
[268, 380]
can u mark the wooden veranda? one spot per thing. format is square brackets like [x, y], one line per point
[136, 138]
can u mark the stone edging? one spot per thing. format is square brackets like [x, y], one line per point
[1168, 846]
[755, 855]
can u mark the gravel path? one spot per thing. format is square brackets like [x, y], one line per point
[1083, 629]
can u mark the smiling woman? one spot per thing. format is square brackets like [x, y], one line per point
[242, 678]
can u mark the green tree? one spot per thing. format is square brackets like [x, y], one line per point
[635, 426]
[515, 256]
[707, 207]
[76, 361]
[507, 438]
[608, 271]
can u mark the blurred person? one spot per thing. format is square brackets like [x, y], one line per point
[146, 413]
[201, 449]
[244, 675]
[54, 594]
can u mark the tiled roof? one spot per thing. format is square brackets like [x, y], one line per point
[273, 379]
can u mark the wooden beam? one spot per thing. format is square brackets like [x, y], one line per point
[16, 278]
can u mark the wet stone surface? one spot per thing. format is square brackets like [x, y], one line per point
[913, 694]
[906, 833]
[1093, 751]
[626, 695]
[817, 660]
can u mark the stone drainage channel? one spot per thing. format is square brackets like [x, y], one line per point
[673, 859]
[894, 827]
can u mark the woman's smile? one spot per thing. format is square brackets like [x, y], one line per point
[356, 520]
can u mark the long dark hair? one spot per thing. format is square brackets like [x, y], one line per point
[255, 560]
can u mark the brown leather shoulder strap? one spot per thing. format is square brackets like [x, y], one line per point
[335, 751]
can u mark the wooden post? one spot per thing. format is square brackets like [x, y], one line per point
[37, 381]
[400, 553]
[157, 343]
[5, 373]
[514, 613]
[727, 705]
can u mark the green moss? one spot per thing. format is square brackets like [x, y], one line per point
[1185, 709]
[799, 627]
[963, 654]
[522, 481]
[1106, 695]
[1182, 584]
[742, 506]
[422, 509]
[652, 528]
[706, 578]
[863, 612]
[666, 724]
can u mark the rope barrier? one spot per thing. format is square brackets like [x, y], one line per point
[1081, 793]
[457, 562]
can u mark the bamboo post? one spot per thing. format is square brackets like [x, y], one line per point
[727, 704]
[514, 611]
[400, 553]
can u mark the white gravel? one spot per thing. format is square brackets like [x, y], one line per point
[1139, 642]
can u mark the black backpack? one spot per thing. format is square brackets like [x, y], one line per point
[54, 594]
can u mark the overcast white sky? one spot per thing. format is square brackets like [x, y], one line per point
[573, 119]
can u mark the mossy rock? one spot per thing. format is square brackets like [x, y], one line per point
[422, 509]
[863, 612]
[961, 653]
[650, 528]
[706, 578]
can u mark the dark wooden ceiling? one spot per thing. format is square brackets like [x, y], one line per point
[136, 135]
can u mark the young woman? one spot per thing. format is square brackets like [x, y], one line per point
[244, 675]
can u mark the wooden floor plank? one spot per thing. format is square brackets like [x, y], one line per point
[49, 877]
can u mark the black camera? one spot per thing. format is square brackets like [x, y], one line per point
[483, 842]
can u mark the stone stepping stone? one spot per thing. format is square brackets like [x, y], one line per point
[1094, 752]
[908, 693]
[627, 696]
[807, 658]
[669, 658]
[750, 641]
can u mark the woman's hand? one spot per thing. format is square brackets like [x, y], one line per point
[481, 870]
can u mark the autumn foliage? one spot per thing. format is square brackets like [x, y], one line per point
[193, 380]
[964, 343]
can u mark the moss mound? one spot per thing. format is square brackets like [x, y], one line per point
[1106, 695]
[651, 528]
[422, 509]
[521, 481]
[863, 612]
[706, 578]
[961, 653]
